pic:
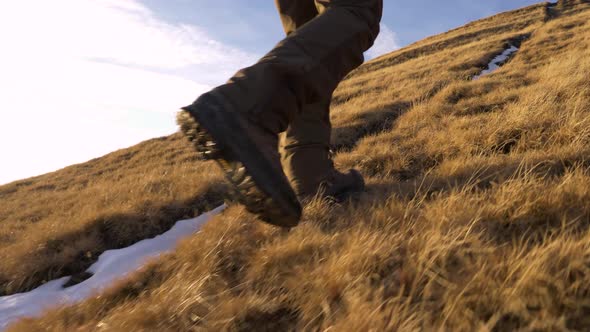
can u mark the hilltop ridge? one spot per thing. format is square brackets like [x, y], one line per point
[475, 216]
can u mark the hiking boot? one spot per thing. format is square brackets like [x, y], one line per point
[247, 154]
[312, 174]
[340, 186]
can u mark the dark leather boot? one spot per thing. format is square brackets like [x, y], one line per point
[248, 155]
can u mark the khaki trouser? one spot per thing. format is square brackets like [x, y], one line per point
[289, 90]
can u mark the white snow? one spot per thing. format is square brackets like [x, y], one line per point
[111, 266]
[497, 62]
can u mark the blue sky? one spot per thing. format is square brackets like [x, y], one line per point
[254, 25]
[81, 78]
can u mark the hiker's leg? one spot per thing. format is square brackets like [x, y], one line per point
[244, 117]
[305, 146]
[308, 134]
[306, 67]
[295, 13]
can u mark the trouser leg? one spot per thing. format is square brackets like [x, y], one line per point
[305, 145]
[306, 66]
[291, 87]
[295, 13]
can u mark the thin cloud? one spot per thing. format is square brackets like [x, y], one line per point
[81, 78]
[386, 42]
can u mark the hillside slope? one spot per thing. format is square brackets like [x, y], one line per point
[476, 214]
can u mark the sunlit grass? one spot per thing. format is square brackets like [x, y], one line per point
[475, 217]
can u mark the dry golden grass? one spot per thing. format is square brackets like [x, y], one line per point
[57, 224]
[476, 215]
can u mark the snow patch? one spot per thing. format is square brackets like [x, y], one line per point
[497, 62]
[111, 266]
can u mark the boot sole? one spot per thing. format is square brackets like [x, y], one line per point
[220, 135]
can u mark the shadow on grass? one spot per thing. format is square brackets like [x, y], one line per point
[371, 122]
[114, 232]
[280, 319]
[529, 229]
